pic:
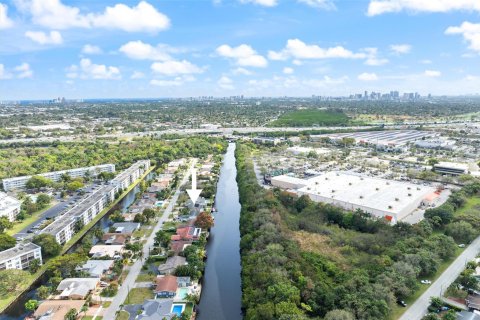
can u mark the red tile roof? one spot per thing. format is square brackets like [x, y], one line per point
[166, 283]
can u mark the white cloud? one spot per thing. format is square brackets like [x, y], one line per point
[298, 49]
[373, 59]
[225, 83]
[367, 76]
[321, 4]
[325, 81]
[377, 7]
[288, 70]
[175, 67]
[89, 70]
[143, 51]
[54, 14]
[471, 78]
[5, 21]
[264, 3]
[3, 73]
[244, 55]
[470, 32]
[137, 75]
[91, 49]
[175, 82]
[401, 48]
[426, 61]
[24, 71]
[432, 73]
[40, 37]
[242, 71]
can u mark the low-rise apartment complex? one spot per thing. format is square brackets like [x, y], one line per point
[20, 256]
[18, 183]
[9, 206]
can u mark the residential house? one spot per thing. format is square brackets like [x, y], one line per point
[166, 286]
[179, 246]
[187, 233]
[184, 282]
[126, 227]
[56, 309]
[118, 239]
[101, 250]
[156, 309]
[96, 268]
[77, 288]
[171, 264]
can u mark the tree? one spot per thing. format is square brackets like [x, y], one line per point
[37, 182]
[140, 218]
[43, 200]
[34, 265]
[7, 241]
[431, 316]
[31, 305]
[5, 224]
[204, 220]
[84, 309]
[71, 314]
[117, 216]
[432, 162]
[106, 176]
[12, 281]
[75, 185]
[450, 315]
[436, 302]
[149, 213]
[48, 243]
[339, 315]
[43, 292]
[444, 212]
[461, 231]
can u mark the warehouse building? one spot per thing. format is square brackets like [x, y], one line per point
[9, 206]
[18, 183]
[288, 182]
[451, 168]
[382, 198]
[20, 256]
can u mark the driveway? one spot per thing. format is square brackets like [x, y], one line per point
[419, 308]
[137, 266]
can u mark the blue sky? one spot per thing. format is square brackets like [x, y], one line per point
[178, 48]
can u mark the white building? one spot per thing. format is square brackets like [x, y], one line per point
[451, 168]
[9, 206]
[66, 225]
[382, 198]
[18, 183]
[288, 182]
[306, 150]
[20, 256]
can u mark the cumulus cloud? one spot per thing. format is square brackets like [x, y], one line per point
[288, 70]
[139, 50]
[264, 3]
[5, 21]
[175, 67]
[367, 76]
[40, 37]
[24, 71]
[470, 32]
[298, 49]
[175, 82]
[373, 59]
[137, 75]
[432, 73]
[242, 71]
[400, 48]
[377, 7]
[91, 49]
[320, 4]
[88, 70]
[225, 83]
[243, 55]
[3, 73]
[54, 14]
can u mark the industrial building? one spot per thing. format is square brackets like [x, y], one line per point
[18, 183]
[66, 225]
[305, 150]
[9, 206]
[20, 256]
[451, 168]
[382, 198]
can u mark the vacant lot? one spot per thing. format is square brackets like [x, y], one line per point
[310, 117]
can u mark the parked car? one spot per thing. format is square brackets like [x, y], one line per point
[462, 245]
[402, 303]
[426, 281]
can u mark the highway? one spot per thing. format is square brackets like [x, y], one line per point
[419, 308]
[129, 283]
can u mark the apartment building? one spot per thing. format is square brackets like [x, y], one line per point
[20, 256]
[18, 183]
[9, 206]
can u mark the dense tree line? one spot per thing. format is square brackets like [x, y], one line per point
[372, 266]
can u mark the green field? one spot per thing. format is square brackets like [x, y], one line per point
[19, 225]
[310, 117]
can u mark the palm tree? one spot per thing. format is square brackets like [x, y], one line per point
[84, 309]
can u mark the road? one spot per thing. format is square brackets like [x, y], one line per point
[135, 269]
[419, 308]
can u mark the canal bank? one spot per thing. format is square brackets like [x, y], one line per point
[221, 289]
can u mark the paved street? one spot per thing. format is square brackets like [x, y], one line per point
[135, 269]
[419, 308]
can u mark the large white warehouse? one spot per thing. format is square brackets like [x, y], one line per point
[383, 198]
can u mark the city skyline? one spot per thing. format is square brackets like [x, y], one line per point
[146, 49]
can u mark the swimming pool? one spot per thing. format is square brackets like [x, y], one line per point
[178, 309]
[182, 293]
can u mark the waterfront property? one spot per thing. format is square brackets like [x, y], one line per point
[156, 309]
[166, 286]
[125, 228]
[9, 206]
[56, 309]
[20, 256]
[171, 264]
[96, 268]
[77, 288]
[66, 225]
[111, 251]
[187, 233]
[18, 183]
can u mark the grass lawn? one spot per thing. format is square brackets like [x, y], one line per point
[472, 203]
[91, 318]
[106, 304]
[138, 295]
[397, 310]
[123, 315]
[18, 226]
[144, 277]
[310, 117]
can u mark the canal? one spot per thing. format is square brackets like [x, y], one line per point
[222, 292]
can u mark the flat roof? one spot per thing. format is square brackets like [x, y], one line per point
[125, 173]
[17, 250]
[375, 193]
[385, 137]
[452, 165]
[7, 202]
